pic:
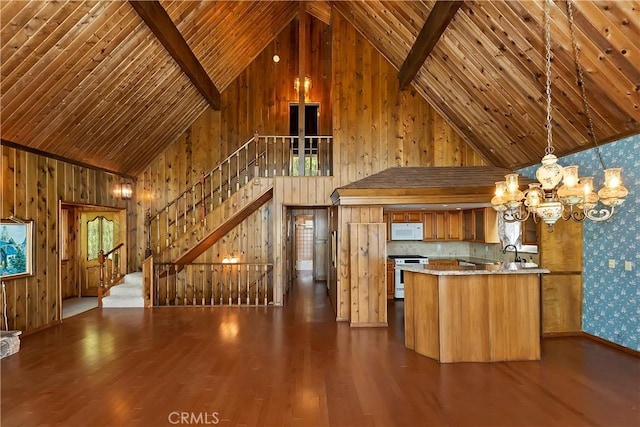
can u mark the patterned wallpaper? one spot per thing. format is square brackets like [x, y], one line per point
[611, 301]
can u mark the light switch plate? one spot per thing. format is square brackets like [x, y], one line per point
[612, 263]
[627, 265]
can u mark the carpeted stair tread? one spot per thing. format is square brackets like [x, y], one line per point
[126, 294]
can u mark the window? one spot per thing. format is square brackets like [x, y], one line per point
[311, 115]
[99, 236]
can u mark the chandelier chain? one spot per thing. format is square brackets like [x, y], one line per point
[580, 75]
[547, 34]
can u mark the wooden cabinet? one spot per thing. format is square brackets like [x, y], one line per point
[406, 216]
[467, 225]
[386, 218]
[437, 225]
[529, 232]
[433, 226]
[561, 253]
[442, 225]
[454, 225]
[391, 278]
[561, 303]
[481, 225]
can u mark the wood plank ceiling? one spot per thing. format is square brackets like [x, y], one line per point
[89, 81]
[486, 73]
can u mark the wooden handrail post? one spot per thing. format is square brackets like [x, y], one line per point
[202, 198]
[101, 260]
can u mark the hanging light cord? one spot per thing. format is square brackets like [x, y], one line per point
[547, 35]
[580, 76]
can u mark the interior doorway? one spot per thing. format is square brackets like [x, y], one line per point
[85, 230]
[307, 243]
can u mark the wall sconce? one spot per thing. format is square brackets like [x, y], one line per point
[307, 85]
[124, 190]
[230, 259]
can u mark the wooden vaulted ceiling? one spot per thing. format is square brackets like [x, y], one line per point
[90, 81]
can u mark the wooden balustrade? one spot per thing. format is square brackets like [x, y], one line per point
[210, 284]
[147, 282]
[112, 269]
[264, 156]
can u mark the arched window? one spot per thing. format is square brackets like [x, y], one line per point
[99, 236]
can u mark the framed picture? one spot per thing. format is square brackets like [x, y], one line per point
[16, 249]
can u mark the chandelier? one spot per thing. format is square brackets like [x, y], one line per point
[576, 198]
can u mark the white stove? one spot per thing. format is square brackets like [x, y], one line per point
[399, 274]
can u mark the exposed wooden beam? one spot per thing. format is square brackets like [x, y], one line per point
[26, 148]
[159, 22]
[437, 21]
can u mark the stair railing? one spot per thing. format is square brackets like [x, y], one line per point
[110, 269]
[264, 156]
[213, 284]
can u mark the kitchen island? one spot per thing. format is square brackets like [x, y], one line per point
[487, 313]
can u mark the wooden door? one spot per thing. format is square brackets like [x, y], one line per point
[429, 226]
[454, 225]
[440, 231]
[467, 218]
[98, 230]
[321, 244]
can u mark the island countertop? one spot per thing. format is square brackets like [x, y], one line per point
[459, 270]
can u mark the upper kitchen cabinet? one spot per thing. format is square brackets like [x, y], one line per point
[406, 216]
[442, 225]
[529, 232]
[480, 225]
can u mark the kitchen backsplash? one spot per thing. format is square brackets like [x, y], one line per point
[453, 249]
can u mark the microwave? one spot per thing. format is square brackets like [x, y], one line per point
[406, 231]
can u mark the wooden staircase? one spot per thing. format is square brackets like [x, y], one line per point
[202, 235]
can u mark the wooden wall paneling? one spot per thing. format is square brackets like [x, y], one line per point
[36, 167]
[343, 274]
[8, 183]
[368, 259]
[39, 184]
[348, 169]
[53, 312]
[337, 77]
[561, 303]
[18, 301]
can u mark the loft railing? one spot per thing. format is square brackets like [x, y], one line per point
[261, 156]
[212, 284]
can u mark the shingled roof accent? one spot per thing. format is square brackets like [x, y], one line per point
[424, 185]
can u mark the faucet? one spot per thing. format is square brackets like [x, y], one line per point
[517, 258]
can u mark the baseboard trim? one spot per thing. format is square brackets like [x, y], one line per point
[369, 325]
[612, 344]
[593, 338]
[41, 328]
[562, 334]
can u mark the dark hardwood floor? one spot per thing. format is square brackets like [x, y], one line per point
[295, 366]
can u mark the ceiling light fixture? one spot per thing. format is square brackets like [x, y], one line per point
[547, 199]
[307, 85]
